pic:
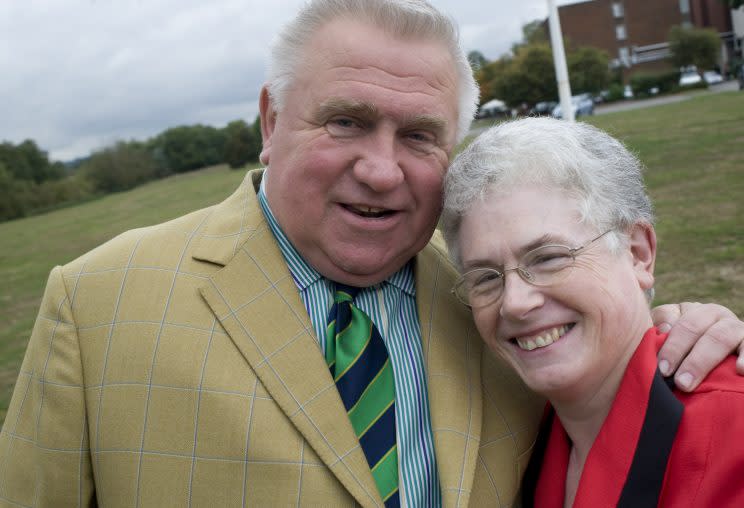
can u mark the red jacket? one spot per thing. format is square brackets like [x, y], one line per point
[657, 446]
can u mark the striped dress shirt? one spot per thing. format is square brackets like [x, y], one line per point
[392, 307]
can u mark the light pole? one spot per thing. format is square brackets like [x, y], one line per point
[559, 60]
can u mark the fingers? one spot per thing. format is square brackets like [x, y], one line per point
[664, 315]
[710, 333]
[680, 342]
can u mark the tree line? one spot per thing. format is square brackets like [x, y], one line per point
[31, 183]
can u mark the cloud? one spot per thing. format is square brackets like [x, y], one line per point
[82, 74]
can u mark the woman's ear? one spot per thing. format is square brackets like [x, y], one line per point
[643, 250]
[268, 121]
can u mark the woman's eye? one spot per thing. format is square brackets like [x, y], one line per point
[487, 278]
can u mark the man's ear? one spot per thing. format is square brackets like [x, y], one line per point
[268, 122]
[643, 250]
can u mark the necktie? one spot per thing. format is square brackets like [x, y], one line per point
[361, 368]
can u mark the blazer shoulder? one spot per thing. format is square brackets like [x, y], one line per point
[140, 244]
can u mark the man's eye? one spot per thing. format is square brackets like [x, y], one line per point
[421, 137]
[344, 122]
[342, 126]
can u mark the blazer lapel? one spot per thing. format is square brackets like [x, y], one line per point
[452, 354]
[256, 300]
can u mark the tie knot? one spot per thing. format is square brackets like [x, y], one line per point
[345, 293]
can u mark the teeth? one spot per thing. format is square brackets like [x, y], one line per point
[369, 209]
[545, 339]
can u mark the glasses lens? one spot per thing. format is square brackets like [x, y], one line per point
[548, 264]
[480, 286]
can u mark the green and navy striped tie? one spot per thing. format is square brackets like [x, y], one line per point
[360, 365]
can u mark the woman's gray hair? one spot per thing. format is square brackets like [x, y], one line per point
[405, 19]
[581, 160]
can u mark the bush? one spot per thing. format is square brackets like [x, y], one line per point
[121, 167]
[664, 83]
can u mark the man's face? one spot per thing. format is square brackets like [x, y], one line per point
[357, 155]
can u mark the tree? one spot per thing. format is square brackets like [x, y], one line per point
[588, 70]
[694, 46]
[528, 77]
[27, 161]
[187, 148]
[120, 167]
[243, 143]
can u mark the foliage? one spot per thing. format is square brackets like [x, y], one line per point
[694, 46]
[528, 77]
[734, 4]
[665, 82]
[27, 162]
[19, 197]
[588, 70]
[187, 148]
[121, 167]
[243, 143]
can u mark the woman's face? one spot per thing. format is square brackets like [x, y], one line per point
[567, 340]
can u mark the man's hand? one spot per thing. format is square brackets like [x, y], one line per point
[700, 337]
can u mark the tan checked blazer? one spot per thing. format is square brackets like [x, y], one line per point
[176, 366]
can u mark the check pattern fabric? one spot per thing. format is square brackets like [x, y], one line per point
[176, 365]
[363, 373]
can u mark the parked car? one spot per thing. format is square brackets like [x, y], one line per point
[689, 78]
[582, 105]
[712, 77]
[493, 108]
[543, 108]
[628, 92]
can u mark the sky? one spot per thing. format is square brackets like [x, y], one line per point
[79, 75]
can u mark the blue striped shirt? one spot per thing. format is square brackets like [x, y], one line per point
[392, 307]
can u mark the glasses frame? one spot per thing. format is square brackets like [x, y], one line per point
[522, 271]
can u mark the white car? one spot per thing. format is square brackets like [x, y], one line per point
[712, 77]
[582, 104]
[688, 78]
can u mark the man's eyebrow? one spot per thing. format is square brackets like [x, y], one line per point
[432, 123]
[336, 106]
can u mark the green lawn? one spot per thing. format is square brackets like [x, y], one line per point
[693, 149]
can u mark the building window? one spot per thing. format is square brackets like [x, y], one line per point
[620, 32]
[624, 56]
[684, 6]
[617, 9]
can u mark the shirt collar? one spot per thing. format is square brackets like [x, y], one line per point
[304, 274]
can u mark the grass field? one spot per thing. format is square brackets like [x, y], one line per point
[694, 151]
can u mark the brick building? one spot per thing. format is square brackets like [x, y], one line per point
[635, 32]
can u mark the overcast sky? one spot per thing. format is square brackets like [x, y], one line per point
[77, 75]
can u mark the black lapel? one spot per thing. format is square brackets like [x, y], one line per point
[532, 473]
[643, 485]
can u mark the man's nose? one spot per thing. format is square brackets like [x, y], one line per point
[519, 297]
[378, 164]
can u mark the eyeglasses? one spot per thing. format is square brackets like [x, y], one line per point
[545, 266]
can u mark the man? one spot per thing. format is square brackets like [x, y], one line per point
[180, 364]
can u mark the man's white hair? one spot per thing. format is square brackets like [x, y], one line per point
[405, 19]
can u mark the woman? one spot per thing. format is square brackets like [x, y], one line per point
[551, 228]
